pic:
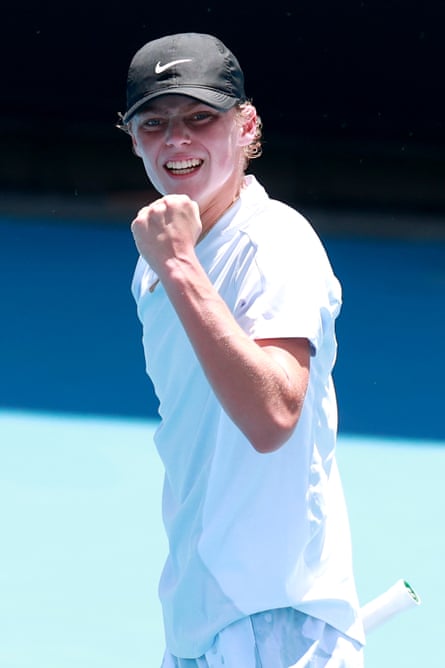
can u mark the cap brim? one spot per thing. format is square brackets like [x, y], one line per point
[211, 97]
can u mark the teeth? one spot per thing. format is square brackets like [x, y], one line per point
[179, 165]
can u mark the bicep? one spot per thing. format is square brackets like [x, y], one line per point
[293, 356]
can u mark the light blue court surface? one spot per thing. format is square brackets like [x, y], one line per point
[81, 541]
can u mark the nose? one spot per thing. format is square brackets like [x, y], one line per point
[176, 133]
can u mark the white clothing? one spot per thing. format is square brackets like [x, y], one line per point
[284, 638]
[250, 532]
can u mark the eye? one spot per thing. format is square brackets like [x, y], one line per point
[201, 116]
[153, 123]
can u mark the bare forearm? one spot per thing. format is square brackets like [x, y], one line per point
[260, 388]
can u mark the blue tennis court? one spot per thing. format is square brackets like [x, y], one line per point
[80, 483]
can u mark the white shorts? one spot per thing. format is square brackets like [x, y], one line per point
[283, 638]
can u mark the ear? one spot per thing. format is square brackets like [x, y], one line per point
[248, 124]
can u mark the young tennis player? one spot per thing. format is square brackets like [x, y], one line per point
[237, 301]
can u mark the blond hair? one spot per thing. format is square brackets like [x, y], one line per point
[254, 149]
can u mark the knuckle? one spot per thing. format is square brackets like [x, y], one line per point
[140, 216]
[158, 207]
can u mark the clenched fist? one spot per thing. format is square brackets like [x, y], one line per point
[166, 229]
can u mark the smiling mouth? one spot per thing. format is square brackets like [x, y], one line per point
[178, 167]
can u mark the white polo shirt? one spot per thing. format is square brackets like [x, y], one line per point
[250, 532]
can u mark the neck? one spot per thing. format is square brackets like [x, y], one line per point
[211, 213]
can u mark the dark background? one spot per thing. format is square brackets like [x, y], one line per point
[350, 93]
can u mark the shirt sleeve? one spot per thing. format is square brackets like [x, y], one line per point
[289, 290]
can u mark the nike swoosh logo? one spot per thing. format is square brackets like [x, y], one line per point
[161, 68]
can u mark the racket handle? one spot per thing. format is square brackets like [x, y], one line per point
[397, 598]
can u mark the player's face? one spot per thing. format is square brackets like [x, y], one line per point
[188, 147]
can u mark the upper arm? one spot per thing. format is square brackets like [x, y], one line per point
[281, 392]
[292, 357]
[292, 354]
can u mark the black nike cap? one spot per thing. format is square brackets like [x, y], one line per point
[193, 64]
